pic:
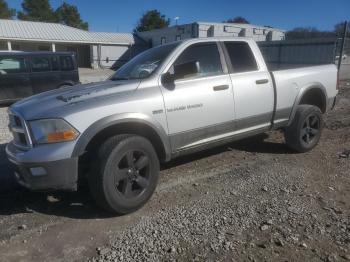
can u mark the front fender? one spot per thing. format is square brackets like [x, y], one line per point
[109, 121]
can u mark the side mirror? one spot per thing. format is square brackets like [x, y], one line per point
[168, 80]
[186, 69]
[144, 74]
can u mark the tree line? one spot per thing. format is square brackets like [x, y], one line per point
[42, 11]
[312, 32]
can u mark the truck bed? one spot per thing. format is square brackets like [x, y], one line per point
[289, 82]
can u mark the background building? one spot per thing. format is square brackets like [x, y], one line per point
[102, 50]
[93, 49]
[206, 29]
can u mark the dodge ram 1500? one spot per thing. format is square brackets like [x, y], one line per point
[168, 101]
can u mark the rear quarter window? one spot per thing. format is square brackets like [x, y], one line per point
[241, 56]
[67, 63]
[40, 64]
[12, 65]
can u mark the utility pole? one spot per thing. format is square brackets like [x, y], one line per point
[342, 44]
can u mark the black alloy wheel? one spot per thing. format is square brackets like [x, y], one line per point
[310, 129]
[304, 132]
[132, 174]
[125, 173]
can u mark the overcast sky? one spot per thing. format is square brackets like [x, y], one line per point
[122, 15]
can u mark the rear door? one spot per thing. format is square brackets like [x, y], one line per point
[14, 78]
[69, 70]
[199, 107]
[42, 77]
[252, 86]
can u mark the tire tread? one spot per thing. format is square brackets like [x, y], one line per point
[292, 132]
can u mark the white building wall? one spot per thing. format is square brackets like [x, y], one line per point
[205, 30]
[170, 34]
[257, 33]
[94, 56]
[277, 35]
[202, 29]
[111, 54]
[104, 56]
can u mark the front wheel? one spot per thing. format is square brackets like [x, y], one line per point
[305, 131]
[125, 174]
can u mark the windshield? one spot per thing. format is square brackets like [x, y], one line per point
[143, 65]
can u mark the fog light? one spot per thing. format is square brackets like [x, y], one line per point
[38, 171]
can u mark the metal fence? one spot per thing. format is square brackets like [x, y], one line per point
[288, 54]
[344, 71]
[302, 52]
[346, 50]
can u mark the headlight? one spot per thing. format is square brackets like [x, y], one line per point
[52, 131]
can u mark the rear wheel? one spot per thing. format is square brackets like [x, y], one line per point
[305, 131]
[64, 86]
[125, 175]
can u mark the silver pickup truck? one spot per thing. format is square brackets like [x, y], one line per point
[168, 101]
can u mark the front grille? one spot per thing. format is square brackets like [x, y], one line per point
[20, 132]
[17, 121]
[22, 139]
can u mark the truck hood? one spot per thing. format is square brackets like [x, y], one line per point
[51, 103]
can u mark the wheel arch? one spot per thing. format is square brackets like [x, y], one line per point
[66, 83]
[130, 123]
[313, 94]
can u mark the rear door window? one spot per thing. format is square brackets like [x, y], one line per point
[12, 65]
[241, 56]
[67, 63]
[55, 63]
[40, 64]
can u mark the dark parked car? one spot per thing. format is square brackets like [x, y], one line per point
[23, 74]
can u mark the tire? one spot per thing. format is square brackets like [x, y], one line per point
[125, 174]
[305, 131]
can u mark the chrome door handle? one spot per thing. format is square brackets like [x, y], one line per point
[219, 88]
[261, 81]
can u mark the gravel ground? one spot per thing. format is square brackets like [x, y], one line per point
[248, 201]
[254, 214]
[5, 135]
[88, 75]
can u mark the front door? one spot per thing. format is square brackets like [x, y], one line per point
[199, 107]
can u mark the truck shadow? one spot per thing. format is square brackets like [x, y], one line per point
[14, 199]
